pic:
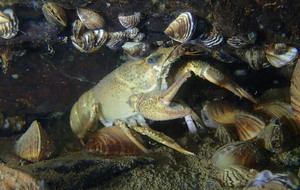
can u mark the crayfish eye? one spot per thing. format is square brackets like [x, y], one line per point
[154, 59]
[151, 60]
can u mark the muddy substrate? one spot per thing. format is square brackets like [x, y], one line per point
[162, 168]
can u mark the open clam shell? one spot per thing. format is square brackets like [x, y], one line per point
[112, 141]
[130, 21]
[182, 28]
[295, 91]
[34, 144]
[90, 19]
[280, 54]
[54, 13]
[15, 179]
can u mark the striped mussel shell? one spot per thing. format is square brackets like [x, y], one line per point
[131, 33]
[247, 125]
[91, 41]
[245, 153]
[282, 111]
[129, 21]
[275, 94]
[268, 180]
[280, 54]
[223, 56]
[35, 144]
[139, 37]
[255, 57]
[15, 179]
[182, 28]
[115, 40]
[90, 19]
[225, 134]
[112, 141]
[237, 176]
[77, 29]
[218, 111]
[136, 48]
[271, 137]
[54, 13]
[295, 91]
[9, 24]
[11, 125]
[241, 41]
[211, 39]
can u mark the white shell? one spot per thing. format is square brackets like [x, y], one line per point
[130, 21]
[280, 54]
[135, 48]
[34, 144]
[182, 28]
[90, 19]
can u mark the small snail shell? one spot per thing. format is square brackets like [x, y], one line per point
[130, 21]
[112, 141]
[54, 13]
[90, 19]
[34, 144]
[182, 28]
